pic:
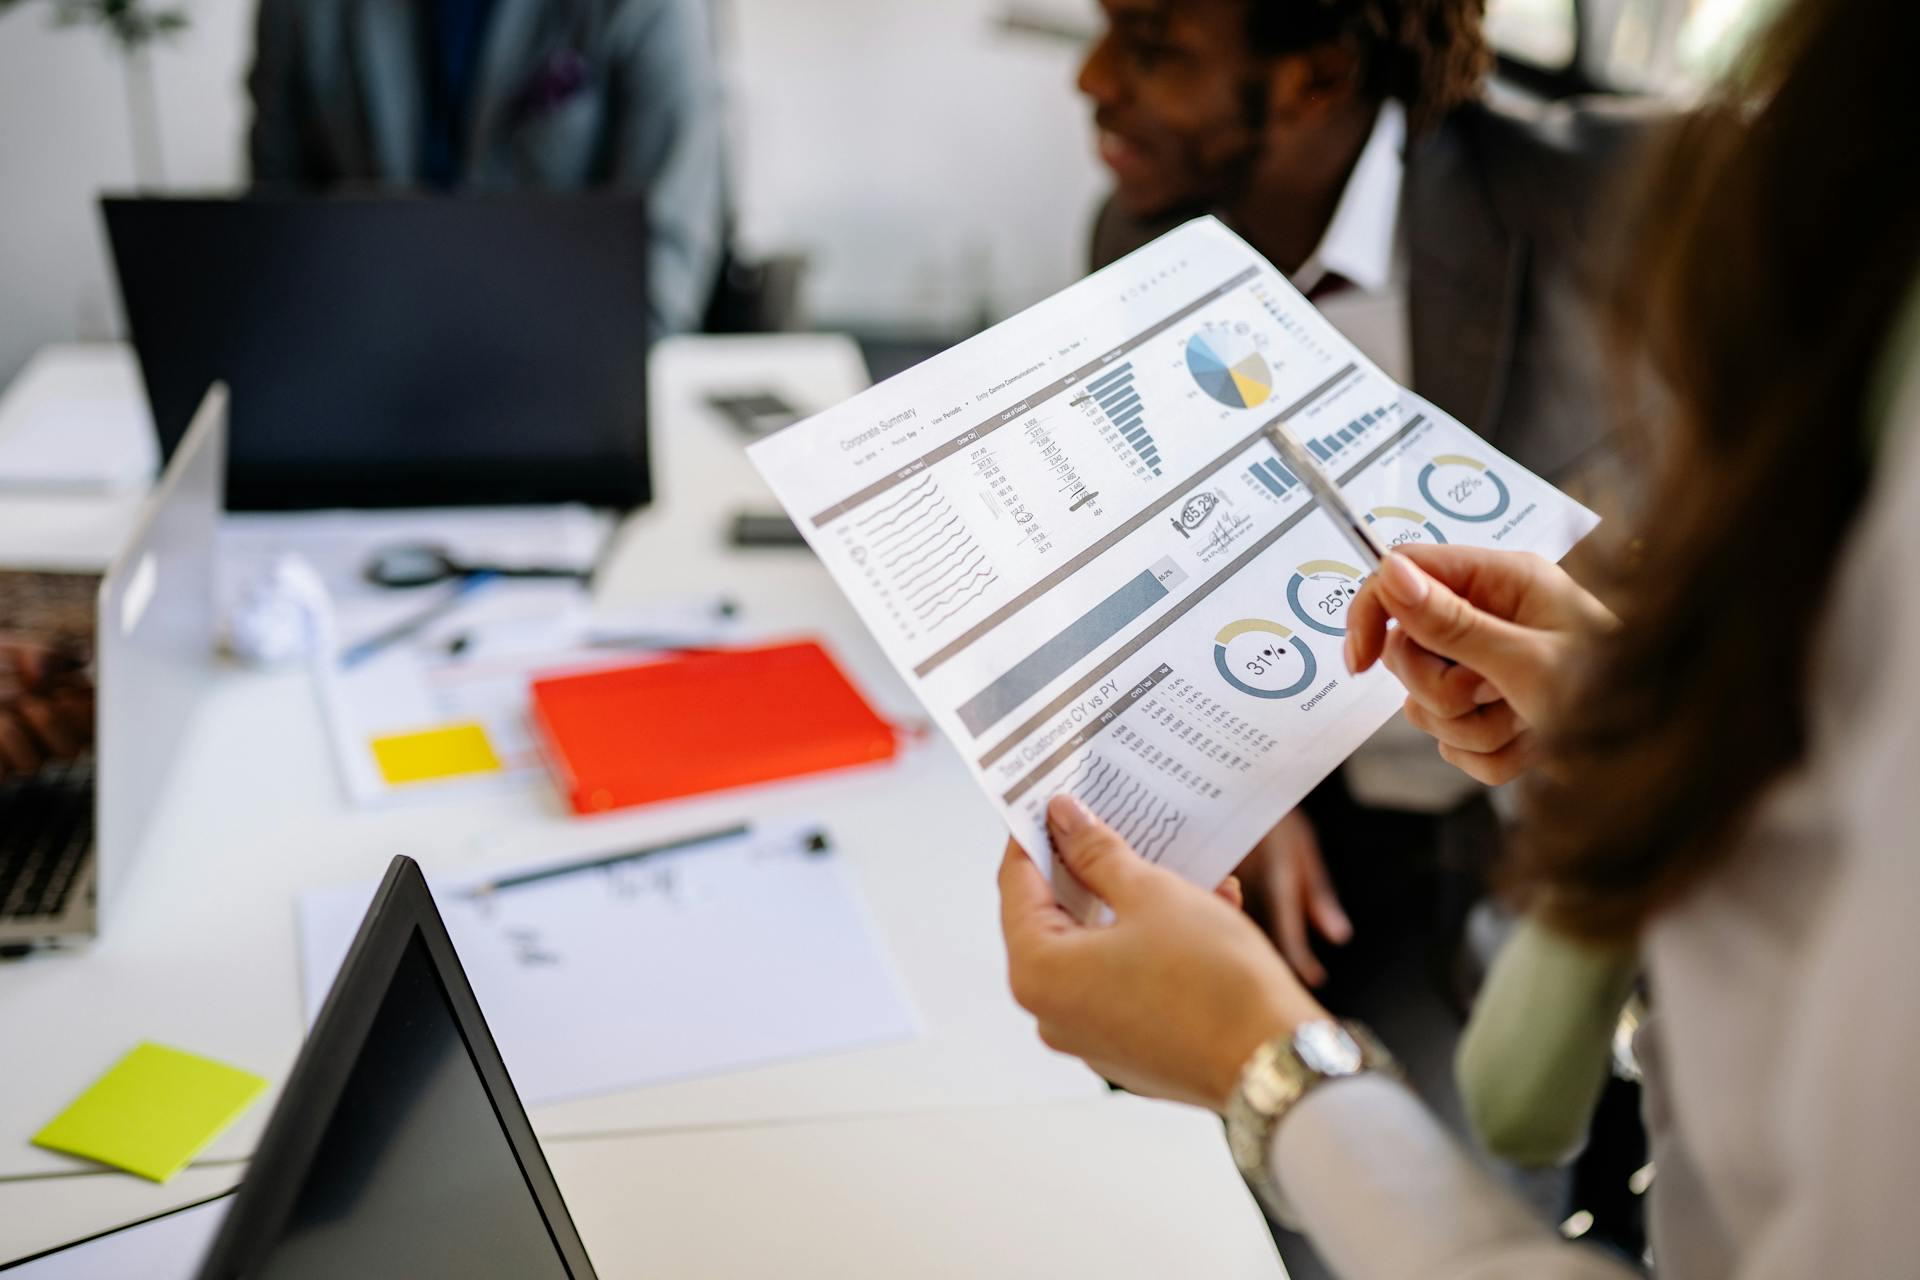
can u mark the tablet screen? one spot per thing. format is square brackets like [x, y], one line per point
[414, 1175]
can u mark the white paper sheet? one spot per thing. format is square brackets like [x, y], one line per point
[509, 632]
[521, 631]
[715, 958]
[338, 545]
[1072, 537]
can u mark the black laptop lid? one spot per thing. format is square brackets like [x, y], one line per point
[399, 1148]
[398, 350]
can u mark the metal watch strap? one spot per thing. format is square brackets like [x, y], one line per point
[1280, 1073]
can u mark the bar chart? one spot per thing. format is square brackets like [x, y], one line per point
[1117, 397]
[1273, 477]
[1326, 447]
[1286, 315]
[1066, 648]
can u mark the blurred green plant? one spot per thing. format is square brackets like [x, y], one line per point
[132, 24]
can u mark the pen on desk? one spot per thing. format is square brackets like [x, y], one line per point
[413, 624]
[815, 843]
[1332, 501]
[679, 642]
[690, 639]
[643, 642]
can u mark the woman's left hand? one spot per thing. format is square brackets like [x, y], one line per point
[1172, 997]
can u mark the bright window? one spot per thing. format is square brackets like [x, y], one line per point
[1670, 44]
[1542, 33]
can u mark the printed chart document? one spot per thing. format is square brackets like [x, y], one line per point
[714, 955]
[1074, 538]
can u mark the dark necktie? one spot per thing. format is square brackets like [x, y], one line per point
[457, 29]
[1329, 284]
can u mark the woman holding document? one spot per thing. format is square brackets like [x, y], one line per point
[1722, 774]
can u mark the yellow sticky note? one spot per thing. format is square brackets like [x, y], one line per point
[447, 752]
[154, 1111]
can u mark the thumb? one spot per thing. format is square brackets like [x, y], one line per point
[1098, 857]
[1439, 621]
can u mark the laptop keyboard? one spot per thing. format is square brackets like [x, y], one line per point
[46, 832]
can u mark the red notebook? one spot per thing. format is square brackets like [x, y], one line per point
[703, 722]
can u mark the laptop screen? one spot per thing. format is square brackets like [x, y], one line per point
[393, 351]
[414, 1175]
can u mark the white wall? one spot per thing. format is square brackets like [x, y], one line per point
[934, 166]
[930, 166]
[64, 138]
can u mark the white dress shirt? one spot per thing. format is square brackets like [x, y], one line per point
[1363, 245]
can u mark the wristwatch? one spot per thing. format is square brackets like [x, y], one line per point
[1280, 1073]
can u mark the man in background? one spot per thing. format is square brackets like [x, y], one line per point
[501, 95]
[47, 626]
[1457, 244]
[46, 707]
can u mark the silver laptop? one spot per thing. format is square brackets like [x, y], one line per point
[70, 825]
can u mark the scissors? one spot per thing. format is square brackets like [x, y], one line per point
[421, 564]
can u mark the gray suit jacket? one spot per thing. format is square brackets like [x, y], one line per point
[568, 94]
[1508, 227]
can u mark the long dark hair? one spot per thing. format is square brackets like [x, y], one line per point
[1780, 233]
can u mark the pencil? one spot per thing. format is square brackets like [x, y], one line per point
[612, 860]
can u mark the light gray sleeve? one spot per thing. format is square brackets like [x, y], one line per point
[1846, 1119]
[273, 137]
[668, 140]
[1385, 1193]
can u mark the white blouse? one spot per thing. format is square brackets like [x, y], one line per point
[1783, 1067]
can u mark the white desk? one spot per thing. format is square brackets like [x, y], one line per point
[201, 951]
[73, 406]
[1113, 1187]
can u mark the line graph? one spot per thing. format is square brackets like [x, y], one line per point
[1143, 818]
[929, 560]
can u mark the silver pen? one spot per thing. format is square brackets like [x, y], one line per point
[1331, 500]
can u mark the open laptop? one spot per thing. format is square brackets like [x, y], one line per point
[398, 1149]
[397, 350]
[69, 829]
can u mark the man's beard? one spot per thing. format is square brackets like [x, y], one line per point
[1224, 176]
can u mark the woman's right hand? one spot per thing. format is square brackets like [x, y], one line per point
[1483, 638]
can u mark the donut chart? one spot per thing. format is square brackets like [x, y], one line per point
[1266, 654]
[1473, 493]
[1404, 524]
[1318, 594]
[1227, 366]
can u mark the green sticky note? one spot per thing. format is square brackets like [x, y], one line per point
[153, 1112]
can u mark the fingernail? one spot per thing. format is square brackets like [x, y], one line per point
[1403, 579]
[1346, 652]
[1068, 816]
[1485, 694]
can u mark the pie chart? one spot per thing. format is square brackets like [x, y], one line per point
[1227, 366]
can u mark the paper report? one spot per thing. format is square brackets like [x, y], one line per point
[1074, 540]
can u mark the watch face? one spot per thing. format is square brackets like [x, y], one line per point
[1325, 1047]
